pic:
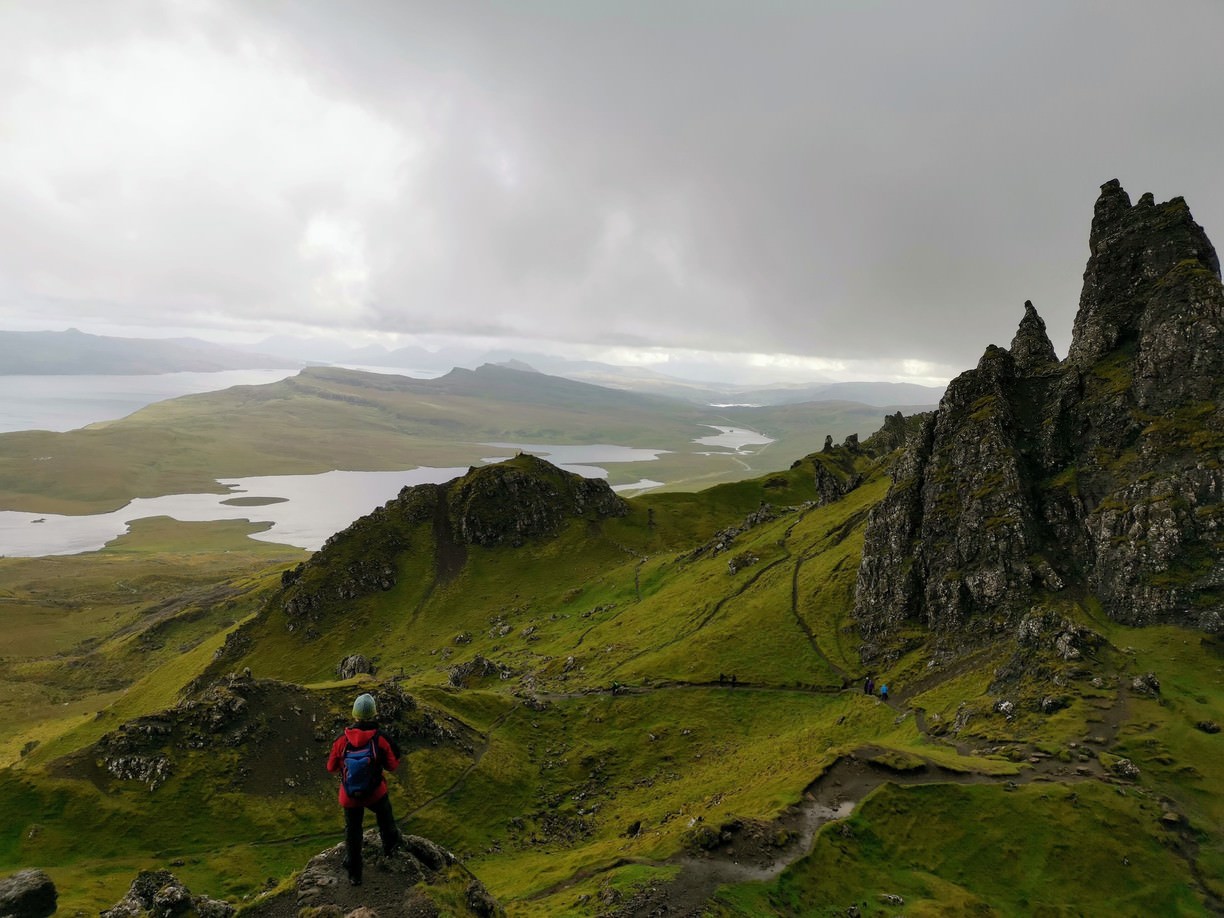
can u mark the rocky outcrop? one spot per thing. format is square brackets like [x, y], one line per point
[725, 538]
[508, 503]
[1103, 471]
[159, 894]
[897, 431]
[27, 894]
[292, 727]
[1031, 349]
[1136, 252]
[420, 878]
[465, 674]
[526, 498]
[353, 665]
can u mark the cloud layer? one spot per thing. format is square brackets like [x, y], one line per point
[840, 182]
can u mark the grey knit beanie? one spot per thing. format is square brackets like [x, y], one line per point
[365, 708]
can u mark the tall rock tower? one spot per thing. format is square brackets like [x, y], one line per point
[1103, 473]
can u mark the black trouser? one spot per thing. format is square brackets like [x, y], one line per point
[353, 818]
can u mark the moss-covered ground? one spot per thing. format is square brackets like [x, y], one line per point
[647, 693]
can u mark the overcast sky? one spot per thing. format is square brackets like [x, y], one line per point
[832, 189]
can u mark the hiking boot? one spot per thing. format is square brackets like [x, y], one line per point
[395, 845]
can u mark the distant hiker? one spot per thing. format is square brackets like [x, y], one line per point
[869, 686]
[360, 755]
[734, 680]
[884, 692]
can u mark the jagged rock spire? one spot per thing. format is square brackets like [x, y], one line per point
[1132, 249]
[1102, 471]
[1031, 348]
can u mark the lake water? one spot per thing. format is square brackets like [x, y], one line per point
[304, 510]
[68, 402]
[734, 438]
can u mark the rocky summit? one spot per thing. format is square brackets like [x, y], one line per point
[1100, 473]
[509, 503]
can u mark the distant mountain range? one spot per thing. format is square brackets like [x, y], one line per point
[74, 352]
[631, 378]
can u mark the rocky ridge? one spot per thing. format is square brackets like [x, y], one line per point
[1102, 472]
[509, 503]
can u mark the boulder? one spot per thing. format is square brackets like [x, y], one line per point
[353, 665]
[1147, 684]
[27, 894]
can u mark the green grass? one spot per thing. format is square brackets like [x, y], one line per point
[538, 797]
[82, 629]
[1035, 850]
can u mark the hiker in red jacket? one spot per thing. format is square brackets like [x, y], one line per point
[361, 754]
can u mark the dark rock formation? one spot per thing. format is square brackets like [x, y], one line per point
[420, 878]
[292, 727]
[835, 471]
[159, 894]
[354, 664]
[1136, 251]
[504, 504]
[27, 894]
[896, 432]
[1103, 472]
[725, 538]
[475, 669]
[527, 498]
[1031, 348]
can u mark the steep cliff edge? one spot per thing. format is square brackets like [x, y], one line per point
[1101, 474]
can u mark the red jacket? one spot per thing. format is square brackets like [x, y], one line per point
[359, 736]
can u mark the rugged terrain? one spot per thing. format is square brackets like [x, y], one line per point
[655, 706]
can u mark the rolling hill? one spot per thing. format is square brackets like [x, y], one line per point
[328, 418]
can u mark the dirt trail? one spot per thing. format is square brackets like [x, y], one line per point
[761, 851]
[750, 852]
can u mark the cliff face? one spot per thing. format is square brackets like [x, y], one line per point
[1100, 473]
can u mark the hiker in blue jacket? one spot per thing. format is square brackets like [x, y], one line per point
[361, 754]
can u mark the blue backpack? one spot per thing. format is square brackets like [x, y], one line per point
[360, 771]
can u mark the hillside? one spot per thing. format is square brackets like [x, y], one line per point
[328, 418]
[655, 706]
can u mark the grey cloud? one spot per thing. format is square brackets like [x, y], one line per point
[839, 180]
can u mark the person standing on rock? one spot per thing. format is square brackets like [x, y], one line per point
[361, 754]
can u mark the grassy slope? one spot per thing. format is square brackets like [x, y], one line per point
[325, 419]
[80, 629]
[539, 801]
